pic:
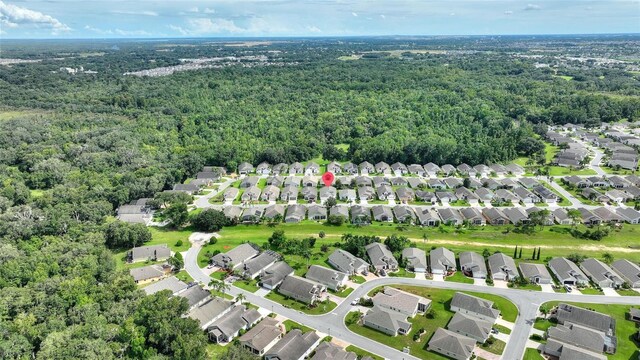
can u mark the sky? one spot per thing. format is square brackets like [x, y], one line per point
[277, 18]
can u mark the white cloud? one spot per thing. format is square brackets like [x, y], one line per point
[508, 12]
[179, 29]
[137, 13]
[382, 16]
[98, 31]
[530, 7]
[194, 10]
[209, 11]
[452, 14]
[214, 26]
[313, 29]
[13, 16]
[131, 32]
[354, 14]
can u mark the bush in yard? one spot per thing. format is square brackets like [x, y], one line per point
[209, 220]
[179, 243]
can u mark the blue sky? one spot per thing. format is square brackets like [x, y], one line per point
[256, 18]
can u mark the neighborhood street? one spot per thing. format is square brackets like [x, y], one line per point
[332, 323]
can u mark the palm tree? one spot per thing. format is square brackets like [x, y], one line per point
[241, 298]
[219, 286]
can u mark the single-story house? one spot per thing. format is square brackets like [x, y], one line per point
[253, 267]
[601, 274]
[295, 213]
[273, 276]
[210, 310]
[442, 261]
[474, 306]
[301, 289]
[261, 337]
[629, 271]
[330, 278]
[347, 262]
[272, 212]
[236, 256]
[470, 326]
[502, 267]
[229, 325]
[382, 213]
[317, 212]
[451, 344]
[381, 257]
[472, 264]
[395, 300]
[389, 322]
[416, 259]
[567, 272]
[149, 253]
[535, 273]
[293, 345]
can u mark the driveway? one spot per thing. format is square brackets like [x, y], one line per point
[610, 292]
[480, 282]
[501, 284]
[485, 354]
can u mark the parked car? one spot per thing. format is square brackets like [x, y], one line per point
[494, 331]
[355, 301]
[568, 288]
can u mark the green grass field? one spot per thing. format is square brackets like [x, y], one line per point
[497, 347]
[440, 302]
[458, 276]
[362, 353]
[625, 329]
[532, 354]
[290, 325]
[248, 285]
[320, 308]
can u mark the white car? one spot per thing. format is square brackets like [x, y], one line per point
[568, 288]
[355, 301]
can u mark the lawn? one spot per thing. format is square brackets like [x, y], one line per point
[343, 294]
[563, 201]
[625, 292]
[357, 279]
[532, 354]
[591, 291]
[458, 276]
[215, 351]
[625, 329]
[362, 353]
[502, 329]
[290, 325]
[441, 300]
[184, 276]
[176, 240]
[497, 347]
[402, 272]
[320, 308]
[248, 285]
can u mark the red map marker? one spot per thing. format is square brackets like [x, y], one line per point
[327, 178]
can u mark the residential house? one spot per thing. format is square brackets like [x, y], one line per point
[427, 217]
[596, 181]
[312, 168]
[515, 169]
[172, 283]
[273, 212]
[366, 193]
[395, 300]
[526, 196]
[516, 216]
[327, 192]
[236, 256]
[232, 212]
[618, 182]
[473, 216]
[466, 170]
[549, 218]
[498, 169]
[470, 326]
[342, 211]
[301, 289]
[567, 272]
[309, 193]
[617, 196]
[629, 215]
[273, 276]
[350, 168]
[330, 351]
[310, 181]
[545, 194]
[332, 279]
[577, 181]
[405, 194]
[292, 181]
[275, 180]
[252, 215]
[472, 264]
[467, 195]
[389, 322]
[249, 181]
[348, 195]
[296, 169]
[149, 253]
[427, 197]
[564, 351]
[229, 325]
[484, 195]
[495, 216]
[535, 273]
[628, 271]
[190, 189]
[361, 181]
[561, 216]
[502, 267]
[366, 168]
[474, 306]
[209, 310]
[381, 257]
[334, 167]
[262, 337]
[399, 169]
[347, 262]
[230, 194]
[432, 169]
[436, 184]
[416, 259]
[382, 213]
[385, 192]
[504, 195]
[445, 197]
[606, 215]
[588, 217]
[253, 267]
[245, 168]
[403, 214]
[360, 215]
[293, 346]
[448, 169]
[594, 195]
[491, 184]
[251, 194]
[416, 169]
[317, 212]
[263, 168]
[198, 297]
[450, 216]
[601, 274]
[451, 344]
[482, 170]
[570, 314]
[452, 182]
[289, 193]
[528, 183]
[295, 213]
[383, 168]
[147, 274]
[415, 182]
[270, 193]
[442, 261]
[280, 169]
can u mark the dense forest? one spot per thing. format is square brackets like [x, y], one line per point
[75, 146]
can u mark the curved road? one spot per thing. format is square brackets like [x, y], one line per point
[332, 323]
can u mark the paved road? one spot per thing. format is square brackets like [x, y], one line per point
[203, 201]
[597, 158]
[332, 323]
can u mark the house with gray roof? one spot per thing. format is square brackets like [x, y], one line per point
[280, 169]
[576, 335]
[473, 216]
[462, 193]
[330, 278]
[342, 211]
[309, 193]
[427, 196]
[289, 193]
[504, 195]
[195, 295]
[310, 181]
[467, 170]
[436, 184]
[394, 300]
[601, 274]
[229, 325]
[484, 195]
[249, 181]
[236, 256]
[415, 182]
[312, 168]
[327, 192]
[548, 220]
[251, 194]
[294, 181]
[482, 170]
[427, 217]
[330, 351]
[301, 289]
[606, 215]
[361, 181]
[382, 213]
[474, 306]
[535, 273]
[628, 271]
[450, 216]
[272, 212]
[208, 310]
[561, 216]
[252, 215]
[381, 257]
[146, 274]
[589, 217]
[545, 194]
[404, 214]
[385, 192]
[253, 267]
[442, 261]
[347, 262]
[453, 182]
[149, 253]
[173, 284]
[317, 212]
[416, 169]
[273, 276]
[526, 196]
[296, 169]
[360, 215]
[570, 314]
[470, 326]
[366, 168]
[350, 168]
[567, 272]
[498, 169]
[270, 193]
[502, 267]
[245, 168]
[293, 346]
[348, 195]
[380, 180]
[261, 337]
[432, 169]
[187, 188]
[382, 168]
[295, 213]
[366, 193]
[230, 194]
[566, 351]
[399, 181]
[264, 168]
[472, 264]
[416, 259]
[495, 216]
[516, 216]
[334, 167]
[451, 344]
[389, 322]
[405, 194]
[232, 212]
[399, 168]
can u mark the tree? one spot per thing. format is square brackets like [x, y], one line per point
[177, 214]
[236, 352]
[520, 254]
[515, 252]
[575, 215]
[533, 257]
[321, 234]
[209, 220]
[120, 235]
[176, 261]
[219, 286]
[607, 258]
[397, 243]
[241, 298]
[277, 239]
[330, 202]
[335, 220]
